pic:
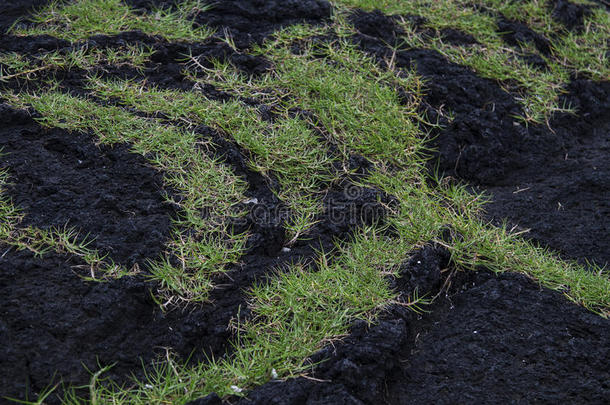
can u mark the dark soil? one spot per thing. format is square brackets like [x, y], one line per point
[516, 33]
[486, 338]
[11, 10]
[53, 324]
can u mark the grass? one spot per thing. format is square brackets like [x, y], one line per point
[571, 53]
[286, 148]
[329, 102]
[79, 20]
[16, 66]
[354, 102]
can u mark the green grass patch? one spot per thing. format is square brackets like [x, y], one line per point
[353, 101]
[285, 149]
[77, 20]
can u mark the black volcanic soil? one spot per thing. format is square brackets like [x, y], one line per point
[11, 10]
[486, 338]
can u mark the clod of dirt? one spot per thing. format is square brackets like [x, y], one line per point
[457, 37]
[11, 10]
[60, 178]
[527, 340]
[379, 26]
[423, 271]
[516, 33]
[492, 339]
[569, 14]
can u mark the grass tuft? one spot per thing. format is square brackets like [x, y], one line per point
[78, 20]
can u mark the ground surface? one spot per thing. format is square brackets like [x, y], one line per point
[552, 179]
[486, 337]
[473, 345]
